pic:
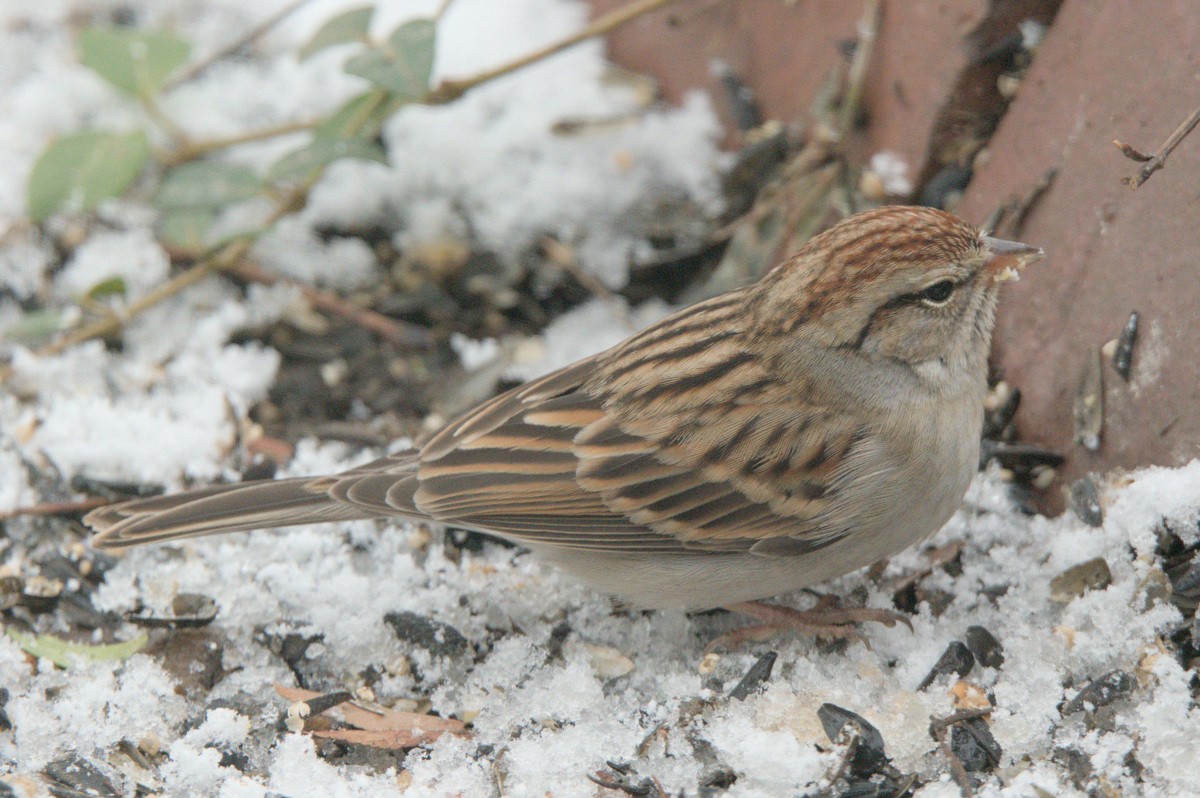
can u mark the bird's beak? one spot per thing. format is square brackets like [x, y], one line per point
[1006, 258]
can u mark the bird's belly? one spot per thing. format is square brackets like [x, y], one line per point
[687, 581]
[703, 580]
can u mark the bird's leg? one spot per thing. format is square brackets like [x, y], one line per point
[831, 622]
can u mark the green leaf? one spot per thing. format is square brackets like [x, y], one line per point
[349, 26]
[206, 184]
[402, 64]
[64, 653]
[35, 328]
[113, 286]
[85, 168]
[138, 62]
[359, 117]
[186, 229]
[302, 163]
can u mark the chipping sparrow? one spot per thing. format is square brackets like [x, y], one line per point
[755, 443]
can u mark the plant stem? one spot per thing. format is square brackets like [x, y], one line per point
[224, 258]
[192, 150]
[249, 36]
[1156, 161]
[160, 118]
[453, 88]
[868, 27]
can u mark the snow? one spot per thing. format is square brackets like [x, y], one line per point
[547, 683]
[892, 172]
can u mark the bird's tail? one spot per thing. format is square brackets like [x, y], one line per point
[220, 508]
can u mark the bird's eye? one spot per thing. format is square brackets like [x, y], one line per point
[937, 294]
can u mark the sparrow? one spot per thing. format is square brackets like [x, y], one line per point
[759, 442]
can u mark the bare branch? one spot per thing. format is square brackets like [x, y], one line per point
[453, 88]
[402, 334]
[237, 44]
[1152, 163]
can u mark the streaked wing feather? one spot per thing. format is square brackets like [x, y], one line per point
[608, 454]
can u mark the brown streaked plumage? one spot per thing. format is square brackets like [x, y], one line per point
[754, 443]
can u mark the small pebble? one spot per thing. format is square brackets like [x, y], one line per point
[1042, 476]
[1007, 86]
[1089, 403]
[1077, 763]
[972, 742]
[1085, 501]
[150, 744]
[334, 372]
[871, 186]
[1101, 692]
[968, 696]
[1072, 583]
[984, 645]
[1067, 633]
[1122, 355]
[440, 639]
[607, 662]
[79, 777]
[1158, 589]
[869, 755]
[1185, 585]
[756, 677]
[956, 659]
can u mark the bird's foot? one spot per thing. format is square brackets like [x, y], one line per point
[824, 621]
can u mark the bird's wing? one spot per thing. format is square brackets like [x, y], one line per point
[679, 439]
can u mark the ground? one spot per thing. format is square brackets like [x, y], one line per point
[1085, 653]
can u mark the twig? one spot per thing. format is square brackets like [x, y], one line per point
[160, 118]
[564, 258]
[225, 258]
[453, 88]
[55, 508]
[868, 26]
[403, 334]
[1152, 163]
[1022, 207]
[249, 36]
[191, 150]
[937, 730]
[442, 9]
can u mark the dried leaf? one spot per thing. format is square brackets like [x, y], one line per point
[388, 720]
[391, 740]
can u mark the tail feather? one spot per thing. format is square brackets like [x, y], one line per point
[221, 508]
